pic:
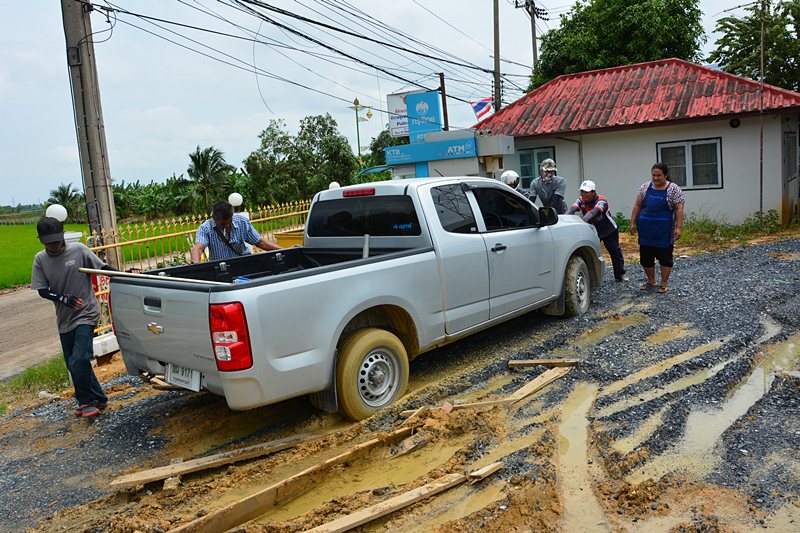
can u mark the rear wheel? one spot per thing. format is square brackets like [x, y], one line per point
[577, 287]
[371, 372]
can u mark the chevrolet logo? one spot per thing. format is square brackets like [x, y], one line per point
[155, 329]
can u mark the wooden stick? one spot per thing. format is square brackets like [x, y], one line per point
[485, 403]
[539, 382]
[484, 472]
[400, 501]
[262, 501]
[391, 505]
[203, 463]
[112, 273]
[521, 363]
[409, 444]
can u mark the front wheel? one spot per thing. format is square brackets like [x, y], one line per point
[577, 287]
[371, 372]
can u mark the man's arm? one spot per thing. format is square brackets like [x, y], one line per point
[197, 251]
[266, 245]
[64, 299]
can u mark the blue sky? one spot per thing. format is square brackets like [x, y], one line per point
[161, 101]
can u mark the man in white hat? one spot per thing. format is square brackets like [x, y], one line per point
[549, 188]
[594, 210]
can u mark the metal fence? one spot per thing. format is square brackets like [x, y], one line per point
[168, 242]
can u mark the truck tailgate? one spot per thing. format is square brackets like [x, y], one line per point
[163, 325]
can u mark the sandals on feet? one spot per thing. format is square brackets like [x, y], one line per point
[662, 289]
[647, 286]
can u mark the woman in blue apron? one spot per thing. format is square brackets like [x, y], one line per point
[658, 218]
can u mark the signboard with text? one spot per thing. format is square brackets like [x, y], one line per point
[432, 151]
[424, 115]
[398, 113]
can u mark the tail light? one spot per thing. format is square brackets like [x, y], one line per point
[229, 337]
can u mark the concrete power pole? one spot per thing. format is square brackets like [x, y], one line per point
[89, 118]
[530, 7]
[497, 92]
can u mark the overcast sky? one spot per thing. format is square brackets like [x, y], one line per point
[160, 101]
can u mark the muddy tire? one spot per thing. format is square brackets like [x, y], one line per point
[577, 287]
[371, 372]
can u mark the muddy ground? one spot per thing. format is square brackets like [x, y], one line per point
[682, 415]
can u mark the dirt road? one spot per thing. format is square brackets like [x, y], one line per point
[28, 333]
[683, 414]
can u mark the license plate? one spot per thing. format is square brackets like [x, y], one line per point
[183, 377]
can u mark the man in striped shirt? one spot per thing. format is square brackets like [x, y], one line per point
[226, 235]
[594, 210]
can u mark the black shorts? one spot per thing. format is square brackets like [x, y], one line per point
[649, 254]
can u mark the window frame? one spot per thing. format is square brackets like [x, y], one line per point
[687, 145]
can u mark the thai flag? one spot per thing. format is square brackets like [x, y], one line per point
[483, 107]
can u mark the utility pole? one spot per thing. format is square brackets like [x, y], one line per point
[530, 7]
[497, 92]
[89, 119]
[761, 117]
[444, 102]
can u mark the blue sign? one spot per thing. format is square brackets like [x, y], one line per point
[424, 115]
[434, 151]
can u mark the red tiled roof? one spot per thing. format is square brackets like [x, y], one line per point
[634, 95]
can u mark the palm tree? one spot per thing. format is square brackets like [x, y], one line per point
[71, 199]
[209, 171]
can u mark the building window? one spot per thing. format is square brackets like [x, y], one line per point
[529, 161]
[693, 164]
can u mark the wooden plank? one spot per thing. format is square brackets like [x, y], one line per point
[255, 505]
[412, 415]
[203, 463]
[485, 403]
[409, 444]
[522, 363]
[160, 384]
[391, 505]
[484, 472]
[538, 383]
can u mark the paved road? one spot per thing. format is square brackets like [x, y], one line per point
[28, 333]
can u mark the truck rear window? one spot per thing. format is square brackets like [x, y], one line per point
[381, 216]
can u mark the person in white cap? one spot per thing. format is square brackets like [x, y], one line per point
[549, 188]
[595, 210]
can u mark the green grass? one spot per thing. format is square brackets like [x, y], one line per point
[51, 376]
[18, 245]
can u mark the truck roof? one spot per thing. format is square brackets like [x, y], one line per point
[398, 186]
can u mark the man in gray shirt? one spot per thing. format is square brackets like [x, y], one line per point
[55, 275]
[549, 188]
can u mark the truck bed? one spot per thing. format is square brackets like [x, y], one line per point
[267, 264]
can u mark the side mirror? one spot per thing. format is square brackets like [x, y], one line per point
[547, 216]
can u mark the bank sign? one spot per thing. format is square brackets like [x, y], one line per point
[398, 113]
[424, 115]
[432, 151]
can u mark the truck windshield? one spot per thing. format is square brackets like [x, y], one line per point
[382, 216]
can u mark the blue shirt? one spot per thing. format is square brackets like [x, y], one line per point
[242, 231]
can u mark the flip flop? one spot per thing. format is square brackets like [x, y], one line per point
[662, 290]
[647, 286]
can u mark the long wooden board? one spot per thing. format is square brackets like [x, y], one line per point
[202, 463]
[391, 505]
[522, 363]
[400, 501]
[537, 383]
[255, 505]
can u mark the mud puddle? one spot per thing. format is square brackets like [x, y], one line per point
[694, 453]
[582, 512]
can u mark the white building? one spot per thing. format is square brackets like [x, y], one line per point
[611, 125]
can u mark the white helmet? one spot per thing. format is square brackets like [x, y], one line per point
[510, 178]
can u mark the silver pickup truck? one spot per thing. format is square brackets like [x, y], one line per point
[387, 271]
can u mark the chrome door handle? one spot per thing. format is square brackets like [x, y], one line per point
[498, 247]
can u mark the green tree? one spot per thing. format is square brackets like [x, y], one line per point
[738, 51]
[209, 170]
[71, 199]
[287, 168]
[609, 33]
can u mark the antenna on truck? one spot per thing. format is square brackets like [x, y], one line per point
[365, 252]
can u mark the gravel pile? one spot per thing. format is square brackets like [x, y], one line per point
[739, 297]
